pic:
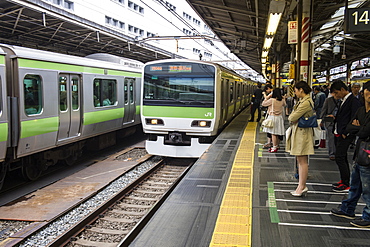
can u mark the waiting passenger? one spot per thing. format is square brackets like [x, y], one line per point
[257, 98]
[275, 104]
[300, 142]
[319, 100]
[267, 91]
[343, 139]
[360, 177]
[328, 113]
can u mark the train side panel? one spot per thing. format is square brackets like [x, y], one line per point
[4, 123]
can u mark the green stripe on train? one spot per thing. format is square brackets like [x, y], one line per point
[2, 59]
[178, 112]
[39, 126]
[3, 132]
[102, 116]
[27, 63]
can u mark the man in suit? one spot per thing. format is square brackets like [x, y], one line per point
[256, 102]
[343, 139]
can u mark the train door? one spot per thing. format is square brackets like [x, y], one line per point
[129, 99]
[3, 117]
[69, 106]
[224, 101]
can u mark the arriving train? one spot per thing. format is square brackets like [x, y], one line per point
[185, 104]
[52, 103]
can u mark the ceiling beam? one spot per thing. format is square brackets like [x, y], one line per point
[225, 8]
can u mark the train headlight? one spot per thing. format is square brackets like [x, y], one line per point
[202, 123]
[154, 121]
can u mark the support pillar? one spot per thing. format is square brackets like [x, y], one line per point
[305, 42]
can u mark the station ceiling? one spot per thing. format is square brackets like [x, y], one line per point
[241, 25]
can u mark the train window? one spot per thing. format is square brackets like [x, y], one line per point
[231, 92]
[129, 90]
[32, 94]
[179, 84]
[63, 101]
[75, 100]
[105, 92]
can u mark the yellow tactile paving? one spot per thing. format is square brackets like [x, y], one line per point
[234, 223]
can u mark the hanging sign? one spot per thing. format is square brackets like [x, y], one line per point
[292, 32]
[357, 20]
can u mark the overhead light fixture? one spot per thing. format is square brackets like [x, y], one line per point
[265, 53]
[263, 60]
[273, 23]
[268, 43]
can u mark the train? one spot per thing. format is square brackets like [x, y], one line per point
[186, 103]
[53, 105]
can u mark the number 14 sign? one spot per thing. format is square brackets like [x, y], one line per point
[357, 20]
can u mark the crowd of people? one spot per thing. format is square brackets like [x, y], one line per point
[343, 112]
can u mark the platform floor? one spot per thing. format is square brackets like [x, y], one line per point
[237, 194]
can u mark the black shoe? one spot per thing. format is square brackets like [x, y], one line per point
[361, 223]
[339, 213]
[341, 188]
[258, 120]
[251, 120]
[337, 184]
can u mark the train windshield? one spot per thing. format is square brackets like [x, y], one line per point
[179, 84]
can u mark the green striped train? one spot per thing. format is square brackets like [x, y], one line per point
[52, 103]
[186, 103]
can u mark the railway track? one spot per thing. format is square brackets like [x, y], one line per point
[112, 215]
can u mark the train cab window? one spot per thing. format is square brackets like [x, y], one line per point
[75, 100]
[32, 94]
[105, 92]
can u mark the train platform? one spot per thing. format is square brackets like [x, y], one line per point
[237, 194]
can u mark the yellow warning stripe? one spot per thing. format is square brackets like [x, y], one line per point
[234, 221]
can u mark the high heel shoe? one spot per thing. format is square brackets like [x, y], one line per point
[304, 193]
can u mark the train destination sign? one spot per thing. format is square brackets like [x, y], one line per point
[358, 20]
[172, 68]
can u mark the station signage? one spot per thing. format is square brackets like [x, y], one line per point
[357, 20]
[292, 32]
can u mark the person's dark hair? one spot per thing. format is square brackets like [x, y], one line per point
[366, 85]
[268, 86]
[316, 88]
[276, 94]
[302, 84]
[338, 85]
[259, 85]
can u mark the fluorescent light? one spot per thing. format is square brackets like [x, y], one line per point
[273, 23]
[264, 54]
[268, 43]
[263, 60]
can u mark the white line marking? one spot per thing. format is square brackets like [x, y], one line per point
[325, 226]
[102, 173]
[307, 212]
[318, 192]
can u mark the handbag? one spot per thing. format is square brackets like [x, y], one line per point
[308, 122]
[362, 157]
[267, 123]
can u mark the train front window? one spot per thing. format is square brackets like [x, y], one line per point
[32, 94]
[179, 84]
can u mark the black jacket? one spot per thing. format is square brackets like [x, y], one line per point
[362, 131]
[346, 113]
[257, 96]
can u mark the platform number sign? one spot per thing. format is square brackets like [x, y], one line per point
[358, 20]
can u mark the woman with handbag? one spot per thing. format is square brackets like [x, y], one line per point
[275, 104]
[300, 143]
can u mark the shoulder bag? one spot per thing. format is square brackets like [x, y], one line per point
[268, 123]
[308, 122]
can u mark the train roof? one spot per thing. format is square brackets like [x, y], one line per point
[197, 61]
[98, 61]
